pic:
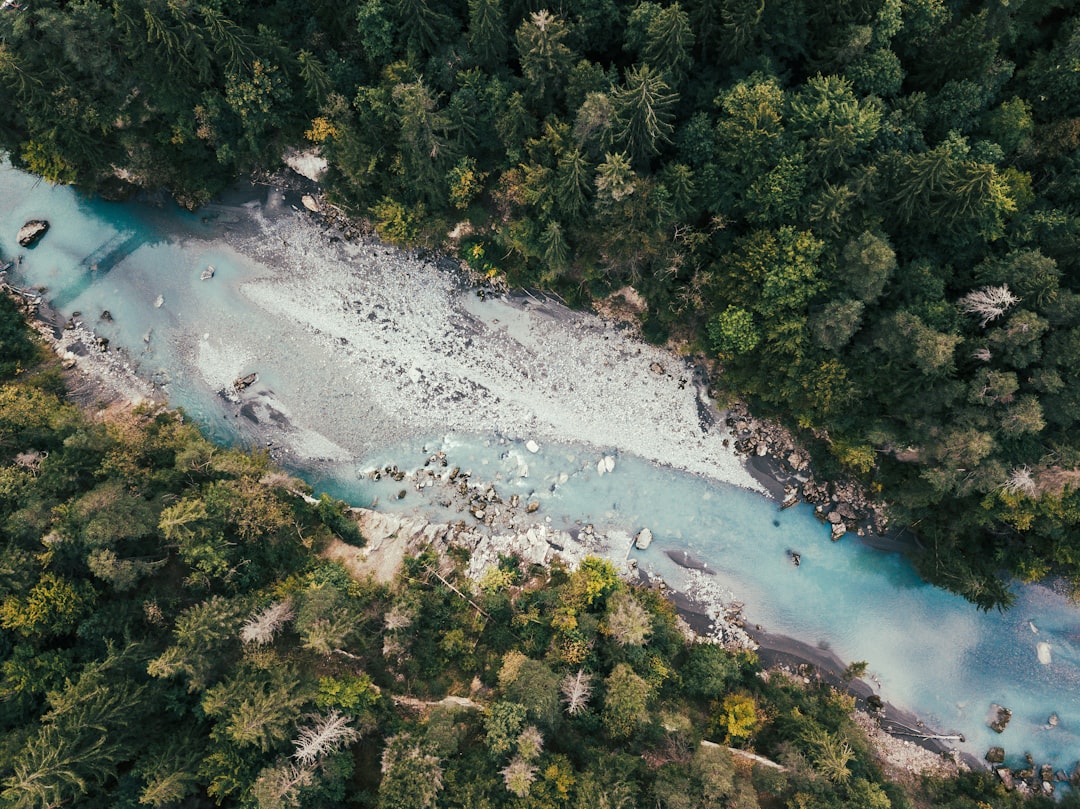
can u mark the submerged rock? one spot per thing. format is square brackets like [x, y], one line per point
[1042, 649]
[999, 718]
[31, 232]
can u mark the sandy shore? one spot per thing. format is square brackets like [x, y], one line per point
[400, 347]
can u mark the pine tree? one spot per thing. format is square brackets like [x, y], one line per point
[668, 43]
[545, 58]
[644, 107]
[487, 32]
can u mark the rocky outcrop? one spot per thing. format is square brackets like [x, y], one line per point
[31, 232]
[845, 505]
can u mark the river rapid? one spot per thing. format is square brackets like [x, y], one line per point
[368, 357]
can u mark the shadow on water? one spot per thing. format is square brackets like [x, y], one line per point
[99, 263]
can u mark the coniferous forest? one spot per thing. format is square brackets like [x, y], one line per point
[865, 210]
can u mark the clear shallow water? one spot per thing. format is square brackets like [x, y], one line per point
[932, 652]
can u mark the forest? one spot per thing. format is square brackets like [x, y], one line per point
[864, 211]
[172, 634]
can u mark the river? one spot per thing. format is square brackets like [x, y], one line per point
[367, 356]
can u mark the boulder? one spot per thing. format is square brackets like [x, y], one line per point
[247, 381]
[1006, 776]
[532, 446]
[643, 539]
[999, 718]
[996, 755]
[838, 530]
[31, 232]
[310, 203]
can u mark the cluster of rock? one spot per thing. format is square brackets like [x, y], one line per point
[844, 505]
[1027, 779]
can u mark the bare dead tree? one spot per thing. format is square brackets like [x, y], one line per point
[1021, 480]
[263, 625]
[327, 734]
[576, 690]
[988, 303]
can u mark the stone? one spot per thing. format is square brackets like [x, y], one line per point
[310, 203]
[999, 718]
[31, 232]
[762, 449]
[1046, 772]
[996, 755]
[838, 530]
[656, 368]
[834, 518]
[159, 301]
[532, 446]
[643, 539]
[609, 463]
[1006, 777]
[532, 506]
[240, 383]
[1042, 650]
[601, 468]
[1052, 721]
[308, 163]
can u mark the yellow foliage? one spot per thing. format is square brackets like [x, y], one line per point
[511, 667]
[858, 458]
[321, 130]
[740, 719]
[43, 159]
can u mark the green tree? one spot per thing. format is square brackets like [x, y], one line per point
[544, 55]
[835, 125]
[626, 702]
[54, 606]
[644, 109]
[412, 775]
[866, 265]
[487, 32]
